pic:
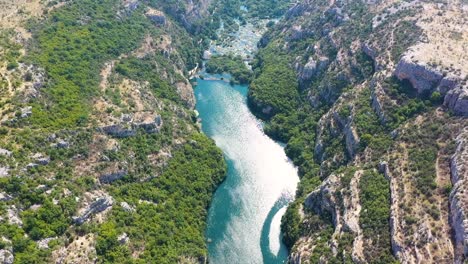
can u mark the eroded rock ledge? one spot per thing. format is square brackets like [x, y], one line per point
[427, 79]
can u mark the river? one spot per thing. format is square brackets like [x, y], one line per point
[245, 215]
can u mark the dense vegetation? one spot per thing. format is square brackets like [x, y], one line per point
[274, 86]
[233, 65]
[374, 218]
[172, 221]
[169, 197]
[72, 45]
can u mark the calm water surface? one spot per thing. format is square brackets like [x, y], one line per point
[245, 215]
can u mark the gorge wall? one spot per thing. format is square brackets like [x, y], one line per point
[376, 122]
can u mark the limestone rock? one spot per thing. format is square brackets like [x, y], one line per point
[156, 16]
[457, 100]
[5, 197]
[123, 239]
[4, 152]
[312, 68]
[26, 112]
[101, 204]
[41, 159]
[298, 33]
[131, 5]
[128, 127]
[118, 131]
[13, 216]
[126, 207]
[6, 257]
[62, 144]
[458, 196]
[4, 172]
[112, 176]
[422, 77]
[426, 79]
[44, 243]
[322, 199]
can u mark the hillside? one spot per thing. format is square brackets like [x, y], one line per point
[101, 159]
[371, 98]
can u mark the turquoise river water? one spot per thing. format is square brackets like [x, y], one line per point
[245, 215]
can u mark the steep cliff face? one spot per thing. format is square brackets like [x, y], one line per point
[458, 197]
[382, 89]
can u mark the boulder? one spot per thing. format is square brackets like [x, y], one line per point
[62, 144]
[4, 171]
[13, 216]
[5, 197]
[123, 239]
[4, 152]
[26, 111]
[6, 257]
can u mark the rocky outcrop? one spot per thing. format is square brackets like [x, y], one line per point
[6, 257]
[13, 216]
[62, 144]
[118, 131]
[4, 152]
[101, 204]
[377, 94]
[422, 77]
[156, 16]
[26, 111]
[44, 243]
[322, 200]
[311, 69]
[458, 196]
[426, 79]
[123, 239]
[129, 125]
[351, 136]
[352, 139]
[41, 159]
[457, 100]
[112, 176]
[126, 207]
[5, 197]
[298, 33]
[4, 171]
